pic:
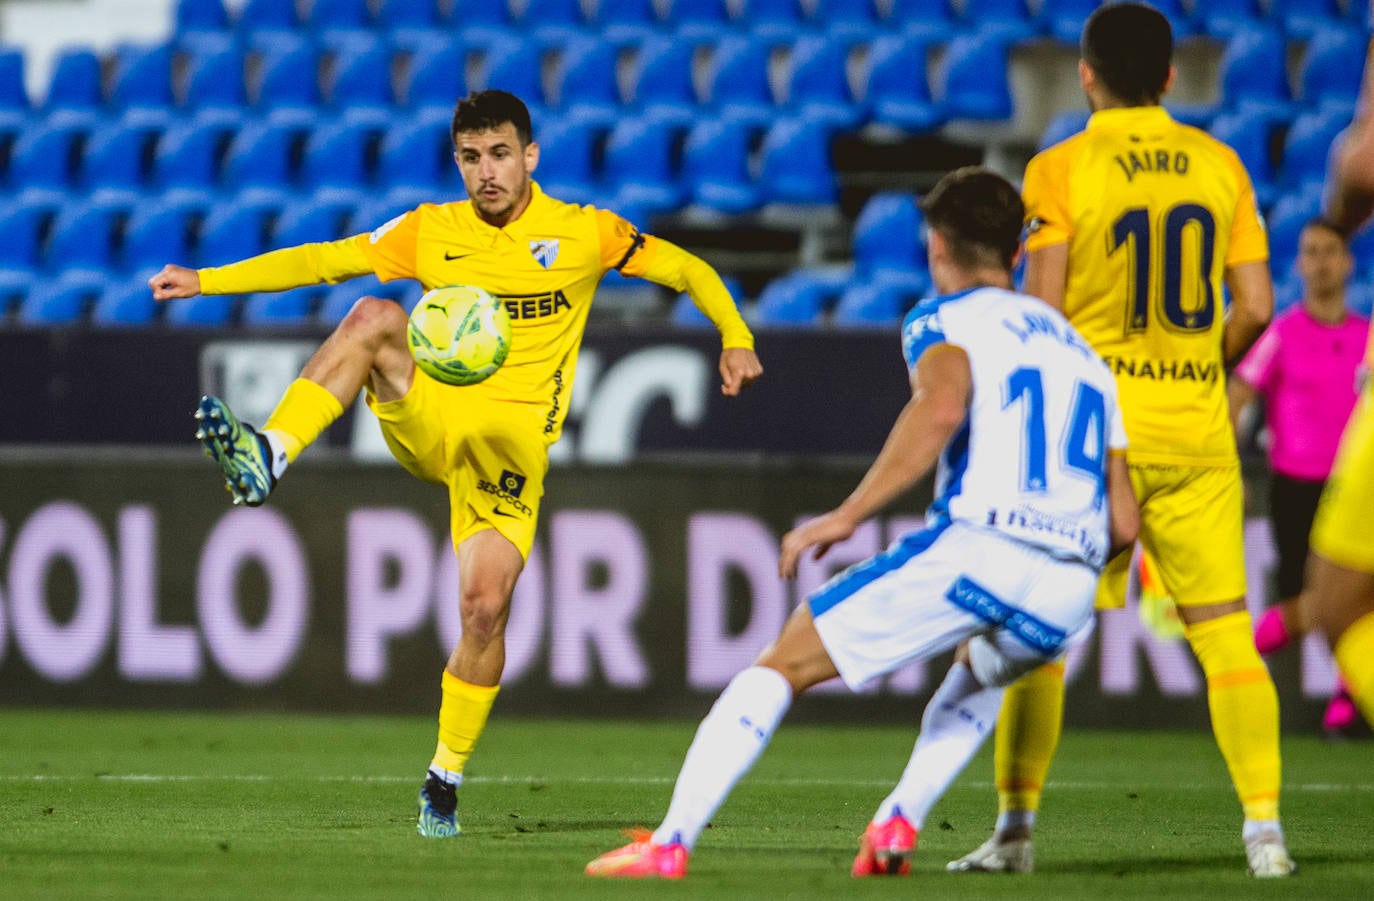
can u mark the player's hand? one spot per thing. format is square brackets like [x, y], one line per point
[819, 533]
[175, 282]
[739, 368]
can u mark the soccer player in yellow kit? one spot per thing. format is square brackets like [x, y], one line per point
[1133, 225]
[1340, 565]
[488, 443]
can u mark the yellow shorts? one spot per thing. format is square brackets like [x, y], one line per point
[491, 454]
[1192, 521]
[1343, 531]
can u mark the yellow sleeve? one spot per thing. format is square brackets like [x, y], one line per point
[1249, 241]
[1045, 193]
[630, 252]
[291, 267]
[391, 248]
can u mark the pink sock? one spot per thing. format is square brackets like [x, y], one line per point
[1270, 632]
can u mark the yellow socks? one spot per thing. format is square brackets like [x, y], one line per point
[462, 717]
[1027, 735]
[305, 410]
[1355, 656]
[1244, 708]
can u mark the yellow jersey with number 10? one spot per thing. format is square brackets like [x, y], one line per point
[1154, 213]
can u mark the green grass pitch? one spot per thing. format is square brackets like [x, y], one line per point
[178, 805]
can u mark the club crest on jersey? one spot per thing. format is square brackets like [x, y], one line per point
[544, 252]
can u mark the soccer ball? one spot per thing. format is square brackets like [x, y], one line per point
[459, 334]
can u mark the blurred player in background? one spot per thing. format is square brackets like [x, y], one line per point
[1019, 414]
[1341, 569]
[1132, 227]
[1304, 366]
[487, 443]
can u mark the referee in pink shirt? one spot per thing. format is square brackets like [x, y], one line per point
[1305, 366]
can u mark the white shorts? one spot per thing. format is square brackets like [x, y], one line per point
[935, 588]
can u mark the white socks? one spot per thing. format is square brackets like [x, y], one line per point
[959, 716]
[275, 445]
[727, 743]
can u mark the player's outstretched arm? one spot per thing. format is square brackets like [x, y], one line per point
[1123, 510]
[941, 387]
[175, 282]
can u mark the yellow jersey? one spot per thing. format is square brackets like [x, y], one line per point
[1154, 213]
[545, 265]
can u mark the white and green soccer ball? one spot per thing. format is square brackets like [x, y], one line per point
[459, 334]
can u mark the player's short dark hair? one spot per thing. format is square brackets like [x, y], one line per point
[1129, 47]
[1325, 224]
[980, 214]
[488, 110]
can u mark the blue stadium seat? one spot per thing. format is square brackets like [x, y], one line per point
[419, 151]
[189, 154]
[233, 232]
[699, 20]
[347, 15]
[625, 22]
[587, 83]
[554, 23]
[75, 82]
[1182, 24]
[639, 166]
[1359, 299]
[887, 236]
[281, 309]
[24, 219]
[737, 80]
[566, 160]
[516, 66]
[715, 166]
[818, 84]
[795, 165]
[65, 300]
[1248, 136]
[930, 19]
[1223, 19]
[290, 78]
[1064, 124]
[1332, 67]
[848, 20]
[13, 96]
[1254, 74]
[308, 221]
[160, 232]
[45, 155]
[261, 155]
[336, 155]
[793, 299]
[897, 92]
[214, 79]
[86, 231]
[205, 311]
[1362, 248]
[1306, 146]
[1302, 19]
[436, 76]
[143, 76]
[362, 79]
[774, 20]
[663, 89]
[410, 24]
[267, 15]
[869, 303]
[201, 15]
[372, 215]
[1008, 20]
[117, 154]
[1063, 20]
[127, 303]
[481, 22]
[1284, 224]
[973, 79]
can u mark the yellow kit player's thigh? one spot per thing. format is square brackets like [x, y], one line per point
[496, 479]
[416, 427]
[1345, 518]
[1192, 520]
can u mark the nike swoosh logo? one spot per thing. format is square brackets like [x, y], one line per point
[457, 256]
[499, 512]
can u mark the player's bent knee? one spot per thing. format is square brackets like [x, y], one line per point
[375, 316]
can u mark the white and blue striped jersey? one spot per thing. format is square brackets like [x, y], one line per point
[1030, 461]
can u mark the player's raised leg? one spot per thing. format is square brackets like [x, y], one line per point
[367, 347]
[488, 567]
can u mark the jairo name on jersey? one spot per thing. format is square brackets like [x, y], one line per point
[1158, 161]
[535, 306]
[1165, 370]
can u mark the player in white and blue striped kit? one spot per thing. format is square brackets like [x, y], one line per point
[1032, 498]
